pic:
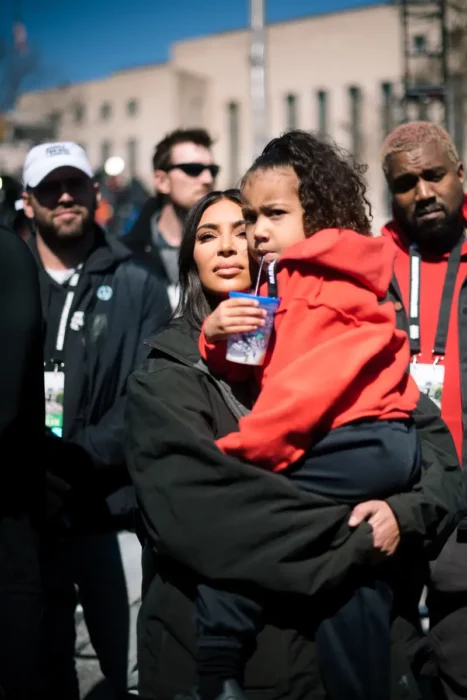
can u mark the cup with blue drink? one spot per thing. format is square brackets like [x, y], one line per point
[250, 348]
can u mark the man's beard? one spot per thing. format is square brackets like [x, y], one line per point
[65, 236]
[434, 237]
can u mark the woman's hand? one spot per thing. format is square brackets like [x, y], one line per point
[386, 533]
[236, 315]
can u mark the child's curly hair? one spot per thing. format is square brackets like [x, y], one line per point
[332, 190]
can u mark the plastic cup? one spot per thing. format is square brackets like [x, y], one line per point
[250, 348]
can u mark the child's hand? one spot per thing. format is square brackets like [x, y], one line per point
[239, 315]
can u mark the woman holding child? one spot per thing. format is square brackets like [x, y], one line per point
[350, 485]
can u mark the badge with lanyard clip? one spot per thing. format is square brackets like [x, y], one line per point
[54, 381]
[430, 377]
[54, 385]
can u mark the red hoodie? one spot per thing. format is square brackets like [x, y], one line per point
[335, 357]
[432, 275]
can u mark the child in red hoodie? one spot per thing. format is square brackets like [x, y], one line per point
[335, 408]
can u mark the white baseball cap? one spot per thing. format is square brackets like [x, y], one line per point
[44, 159]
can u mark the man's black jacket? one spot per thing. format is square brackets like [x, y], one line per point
[117, 304]
[139, 241]
[22, 477]
[22, 473]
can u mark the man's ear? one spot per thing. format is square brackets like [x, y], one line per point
[28, 210]
[161, 182]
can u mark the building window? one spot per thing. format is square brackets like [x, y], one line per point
[322, 102]
[291, 116]
[132, 107]
[132, 148]
[55, 120]
[234, 118]
[106, 110]
[387, 101]
[78, 114]
[106, 149]
[423, 112]
[355, 96]
[458, 112]
[387, 125]
[419, 44]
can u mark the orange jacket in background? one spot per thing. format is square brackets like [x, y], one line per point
[335, 355]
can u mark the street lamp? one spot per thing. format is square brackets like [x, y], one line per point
[258, 77]
[114, 166]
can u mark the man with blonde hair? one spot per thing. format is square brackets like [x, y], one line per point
[425, 177]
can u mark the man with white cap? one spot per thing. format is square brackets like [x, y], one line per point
[99, 306]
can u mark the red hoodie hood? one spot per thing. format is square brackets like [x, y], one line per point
[392, 230]
[367, 259]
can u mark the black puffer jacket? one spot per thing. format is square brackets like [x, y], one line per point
[283, 665]
[175, 409]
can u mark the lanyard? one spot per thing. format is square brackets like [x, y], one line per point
[446, 299]
[62, 326]
[272, 280]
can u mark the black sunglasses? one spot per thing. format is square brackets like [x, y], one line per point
[194, 169]
[53, 189]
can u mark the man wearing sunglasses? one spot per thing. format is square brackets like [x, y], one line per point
[98, 306]
[184, 171]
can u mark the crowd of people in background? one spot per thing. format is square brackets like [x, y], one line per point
[290, 515]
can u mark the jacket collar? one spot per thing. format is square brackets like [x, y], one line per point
[179, 340]
[140, 232]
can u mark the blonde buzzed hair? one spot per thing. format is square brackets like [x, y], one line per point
[408, 137]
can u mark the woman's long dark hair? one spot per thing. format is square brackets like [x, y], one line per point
[194, 305]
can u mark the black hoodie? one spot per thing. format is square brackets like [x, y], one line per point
[99, 355]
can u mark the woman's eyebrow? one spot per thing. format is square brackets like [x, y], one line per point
[215, 227]
[212, 226]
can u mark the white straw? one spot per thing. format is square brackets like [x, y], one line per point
[258, 279]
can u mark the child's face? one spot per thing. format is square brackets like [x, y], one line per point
[272, 211]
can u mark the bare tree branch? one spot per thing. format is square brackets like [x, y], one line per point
[18, 66]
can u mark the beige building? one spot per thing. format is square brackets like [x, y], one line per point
[338, 74]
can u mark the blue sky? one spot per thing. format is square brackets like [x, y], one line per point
[86, 39]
